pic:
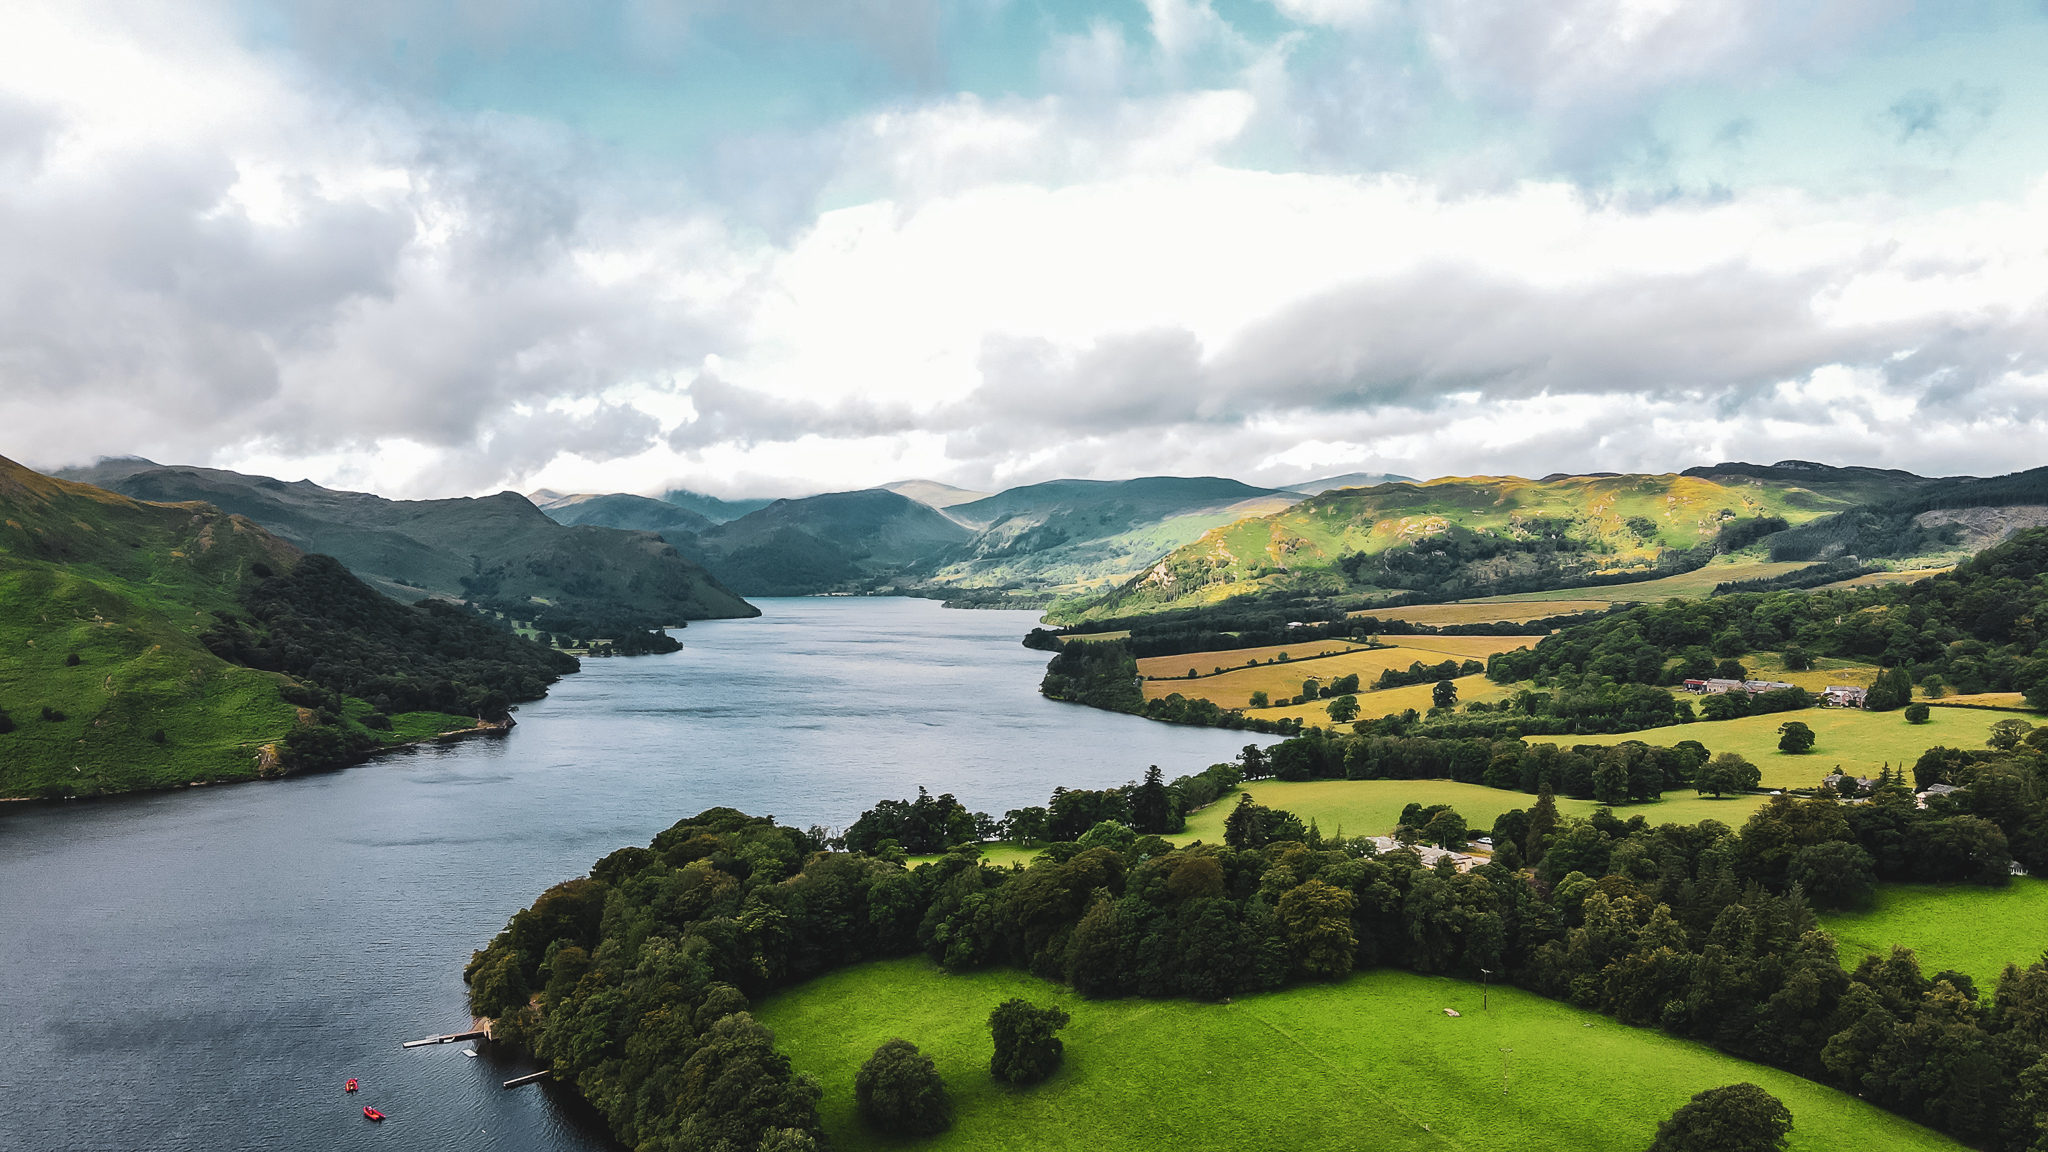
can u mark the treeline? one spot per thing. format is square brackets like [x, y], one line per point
[1979, 628]
[1811, 576]
[634, 983]
[1223, 630]
[321, 625]
[1460, 564]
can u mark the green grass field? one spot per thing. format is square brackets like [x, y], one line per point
[1973, 930]
[1697, 583]
[1373, 807]
[1859, 742]
[1371, 1062]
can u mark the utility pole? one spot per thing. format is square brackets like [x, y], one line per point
[1483, 974]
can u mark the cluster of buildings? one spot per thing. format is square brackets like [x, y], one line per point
[1833, 696]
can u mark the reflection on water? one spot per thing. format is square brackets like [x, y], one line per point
[203, 969]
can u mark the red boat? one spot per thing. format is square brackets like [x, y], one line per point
[372, 1113]
[350, 1086]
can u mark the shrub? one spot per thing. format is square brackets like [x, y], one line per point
[1026, 1049]
[51, 714]
[899, 1091]
[1916, 713]
[6, 722]
[71, 661]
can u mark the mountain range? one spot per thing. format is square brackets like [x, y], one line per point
[499, 550]
[153, 644]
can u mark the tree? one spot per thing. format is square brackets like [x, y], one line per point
[899, 1091]
[1260, 700]
[1918, 713]
[1834, 874]
[2007, 734]
[1444, 695]
[1344, 709]
[1446, 829]
[1726, 773]
[1737, 1118]
[1026, 1049]
[1794, 736]
[1796, 658]
[1151, 807]
[1893, 688]
[1542, 824]
[1317, 920]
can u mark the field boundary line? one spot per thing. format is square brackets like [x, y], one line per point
[1338, 1073]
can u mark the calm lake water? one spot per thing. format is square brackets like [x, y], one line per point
[203, 969]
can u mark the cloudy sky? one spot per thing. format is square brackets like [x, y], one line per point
[765, 247]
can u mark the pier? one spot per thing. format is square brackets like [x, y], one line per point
[529, 1078]
[450, 1038]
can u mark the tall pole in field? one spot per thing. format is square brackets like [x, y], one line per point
[1483, 974]
[1504, 1070]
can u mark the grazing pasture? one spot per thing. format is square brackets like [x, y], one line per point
[1368, 1062]
[1386, 701]
[1483, 612]
[1373, 807]
[1233, 689]
[1859, 743]
[1976, 931]
[1229, 658]
[1699, 582]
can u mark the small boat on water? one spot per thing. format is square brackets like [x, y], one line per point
[471, 1053]
[350, 1086]
[372, 1113]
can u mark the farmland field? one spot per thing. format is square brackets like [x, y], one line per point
[1859, 742]
[1974, 930]
[1696, 583]
[1373, 807]
[1241, 657]
[1483, 612]
[1233, 689]
[1879, 578]
[1370, 1062]
[1385, 702]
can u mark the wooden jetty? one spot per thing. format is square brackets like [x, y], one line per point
[529, 1078]
[450, 1038]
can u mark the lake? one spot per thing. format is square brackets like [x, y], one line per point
[202, 969]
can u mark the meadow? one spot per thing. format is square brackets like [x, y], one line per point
[1386, 701]
[1859, 743]
[1695, 584]
[1232, 658]
[1371, 1061]
[1976, 931]
[1482, 612]
[1373, 807]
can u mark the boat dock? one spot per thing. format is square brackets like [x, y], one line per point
[450, 1038]
[528, 1078]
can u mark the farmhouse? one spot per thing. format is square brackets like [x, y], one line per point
[1717, 687]
[1460, 860]
[1844, 696]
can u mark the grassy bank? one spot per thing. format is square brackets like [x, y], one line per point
[1371, 1062]
[1973, 930]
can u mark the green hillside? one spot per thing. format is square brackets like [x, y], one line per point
[621, 510]
[1371, 1062]
[498, 550]
[835, 542]
[115, 612]
[1472, 536]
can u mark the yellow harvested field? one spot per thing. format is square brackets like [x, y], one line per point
[1233, 689]
[1373, 705]
[1230, 658]
[1467, 647]
[1440, 615]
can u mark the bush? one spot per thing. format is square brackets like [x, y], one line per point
[51, 714]
[899, 1091]
[1026, 1049]
[6, 722]
[1916, 713]
[1737, 1118]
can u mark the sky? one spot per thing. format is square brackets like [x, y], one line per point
[773, 247]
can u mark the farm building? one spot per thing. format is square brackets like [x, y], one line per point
[1717, 687]
[1844, 696]
[1462, 861]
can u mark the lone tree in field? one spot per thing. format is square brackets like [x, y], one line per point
[900, 1092]
[1344, 709]
[1795, 736]
[1917, 713]
[1444, 695]
[1026, 1049]
[1738, 1118]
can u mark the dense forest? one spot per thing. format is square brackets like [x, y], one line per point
[321, 625]
[635, 982]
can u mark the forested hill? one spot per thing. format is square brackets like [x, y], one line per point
[155, 644]
[838, 541]
[499, 551]
[1980, 628]
[1472, 536]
